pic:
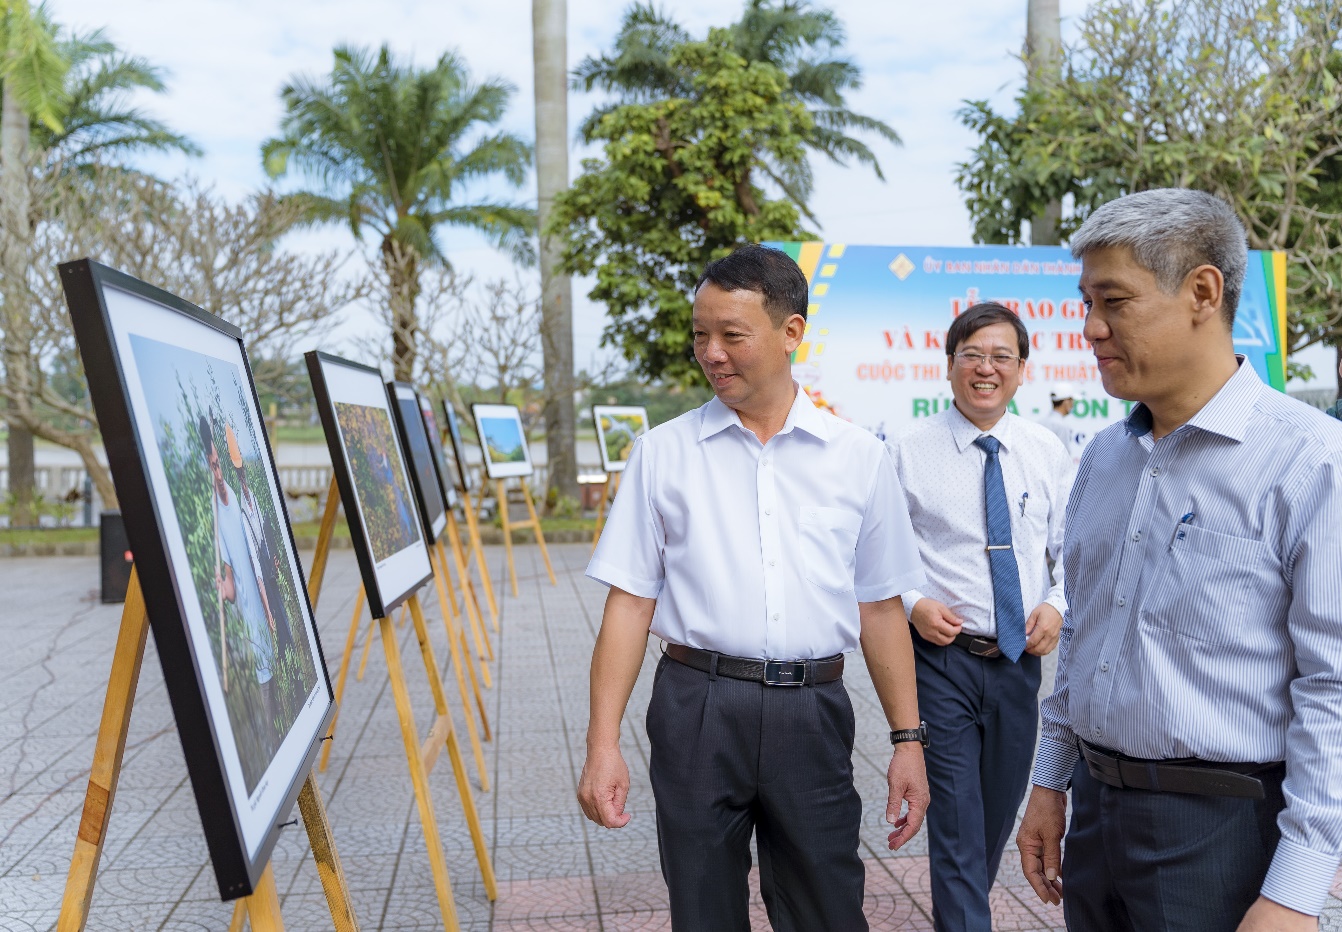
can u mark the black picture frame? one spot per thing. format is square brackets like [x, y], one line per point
[464, 482]
[390, 576]
[419, 453]
[107, 308]
[435, 435]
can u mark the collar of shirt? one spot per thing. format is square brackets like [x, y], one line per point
[1227, 413]
[803, 415]
[965, 432]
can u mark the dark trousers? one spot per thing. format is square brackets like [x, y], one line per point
[1136, 860]
[730, 757]
[981, 717]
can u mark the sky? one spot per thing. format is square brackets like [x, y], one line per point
[226, 61]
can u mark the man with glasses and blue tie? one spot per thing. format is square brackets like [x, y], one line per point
[986, 492]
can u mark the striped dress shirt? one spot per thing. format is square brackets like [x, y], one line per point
[1204, 592]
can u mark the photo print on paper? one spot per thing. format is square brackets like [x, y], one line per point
[375, 461]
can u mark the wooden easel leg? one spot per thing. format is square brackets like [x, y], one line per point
[540, 535]
[263, 906]
[478, 548]
[326, 857]
[324, 535]
[483, 647]
[345, 657]
[502, 495]
[449, 625]
[461, 640]
[239, 920]
[442, 884]
[453, 751]
[107, 755]
[367, 646]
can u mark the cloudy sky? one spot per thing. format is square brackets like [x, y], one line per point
[228, 59]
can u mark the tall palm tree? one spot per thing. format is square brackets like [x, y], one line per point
[390, 148]
[799, 38]
[549, 40]
[1043, 56]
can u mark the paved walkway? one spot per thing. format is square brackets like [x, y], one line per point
[556, 871]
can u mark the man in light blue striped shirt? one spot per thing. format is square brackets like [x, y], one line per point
[1197, 716]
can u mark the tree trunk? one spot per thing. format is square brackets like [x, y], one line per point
[549, 23]
[1043, 50]
[15, 234]
[402, 267]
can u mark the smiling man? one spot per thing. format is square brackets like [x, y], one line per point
[986, 492]
[762, 539]
[1196, 715]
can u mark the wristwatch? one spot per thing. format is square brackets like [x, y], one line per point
[918, 734]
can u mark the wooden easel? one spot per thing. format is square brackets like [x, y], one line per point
[609, 489]
[533, 522]
[478, 551]
[263, 905]
[420, 757]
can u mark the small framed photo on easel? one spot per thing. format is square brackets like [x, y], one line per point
[502, 440]
[458, 447]
[617, 427]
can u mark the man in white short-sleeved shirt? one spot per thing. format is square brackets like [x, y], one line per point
[761, 539]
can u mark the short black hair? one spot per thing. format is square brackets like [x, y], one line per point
[206, 434]
[983, 315]
[770, 273]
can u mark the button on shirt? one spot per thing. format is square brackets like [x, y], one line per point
[941, 471]
[1204, 585]
[759, 550]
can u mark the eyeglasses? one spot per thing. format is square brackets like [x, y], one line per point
[974, 360]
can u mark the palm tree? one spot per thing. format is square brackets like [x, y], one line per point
[1043, 51]
[800, 39]
[390, 147]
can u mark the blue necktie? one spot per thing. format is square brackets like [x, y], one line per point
[1007, 603]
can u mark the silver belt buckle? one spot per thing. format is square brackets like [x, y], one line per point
[784, 672]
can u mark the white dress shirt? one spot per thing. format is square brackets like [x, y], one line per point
[941, 471]
[759, 550]
[1068, 430]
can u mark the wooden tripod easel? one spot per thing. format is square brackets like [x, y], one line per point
[263, 905]
[609, 489]
[478, 552]
[420, 757]
[533, 522]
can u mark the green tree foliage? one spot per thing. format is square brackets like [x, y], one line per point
[677, 187]
[391, 148]
[798, 38]
[1236, 97]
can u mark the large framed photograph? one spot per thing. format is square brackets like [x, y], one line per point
[370, 471]
[617, 427]
[223, 586]
[458, 447]
[435, 435]
[423, 469]
[502, 440]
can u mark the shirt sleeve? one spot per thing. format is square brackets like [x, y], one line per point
[888, 563]
[1306, 859]
[631, 552]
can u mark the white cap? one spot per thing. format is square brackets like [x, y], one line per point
[1061, 391]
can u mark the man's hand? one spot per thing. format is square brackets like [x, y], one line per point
[1042, 629]
[907, 777]
[604, 787]
[1267, 916]
[1040, 842]
[935, 622]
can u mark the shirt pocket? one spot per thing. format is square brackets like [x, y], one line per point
[1211, 584]
[829, 546]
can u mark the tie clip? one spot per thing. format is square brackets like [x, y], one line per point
[998, 547]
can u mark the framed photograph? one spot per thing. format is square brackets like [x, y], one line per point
[617, 427]
[370, 471]
[502, 440]
[423, 469]
[435, 435]
[458, 447]
[223, 586]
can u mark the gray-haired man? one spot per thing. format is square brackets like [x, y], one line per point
[1196, 715]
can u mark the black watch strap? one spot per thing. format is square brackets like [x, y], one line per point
[918, 734]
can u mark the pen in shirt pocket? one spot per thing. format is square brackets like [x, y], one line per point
[1179, 528]
[1024, 496]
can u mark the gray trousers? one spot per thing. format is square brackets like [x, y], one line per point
[731, 757]
[1136, 861]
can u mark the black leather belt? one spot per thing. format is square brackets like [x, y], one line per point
[978, 646]
[768, 672]
[1186, 775]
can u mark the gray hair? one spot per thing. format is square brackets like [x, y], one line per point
[1172, 231]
